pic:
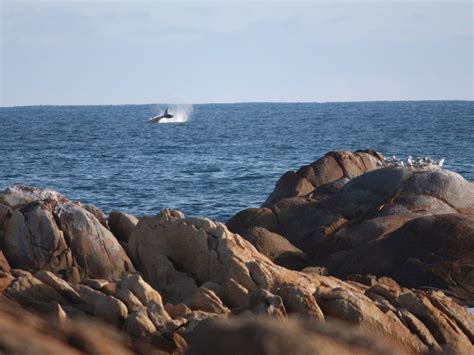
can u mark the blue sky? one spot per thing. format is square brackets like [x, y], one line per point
[111, 52]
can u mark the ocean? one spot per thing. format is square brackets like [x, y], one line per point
[213, 160]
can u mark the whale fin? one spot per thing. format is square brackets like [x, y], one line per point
[166, 114]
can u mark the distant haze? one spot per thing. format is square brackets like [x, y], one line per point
[146, 52]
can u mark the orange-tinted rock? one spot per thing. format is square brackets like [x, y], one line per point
[122, 225]
[207, 301]
[277, 249]
[331, 167]
[45, 231]
[173, 252]
[20, 195]
[431, 251]
[406, 223]
[4, 264]
[33, 241]
[444, 330]
[251, 217]
[94, 247]
[295, 336]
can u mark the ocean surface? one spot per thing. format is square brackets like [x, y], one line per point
[213, 160]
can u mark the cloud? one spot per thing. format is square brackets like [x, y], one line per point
[46, 23]
[238, 50]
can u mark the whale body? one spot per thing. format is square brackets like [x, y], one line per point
[158, 118]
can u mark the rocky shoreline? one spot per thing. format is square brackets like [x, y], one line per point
[347, 254]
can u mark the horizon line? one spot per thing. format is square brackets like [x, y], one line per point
[241, 102]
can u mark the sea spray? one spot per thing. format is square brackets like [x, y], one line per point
[181, 113]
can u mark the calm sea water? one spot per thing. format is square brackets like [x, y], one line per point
[225, 158]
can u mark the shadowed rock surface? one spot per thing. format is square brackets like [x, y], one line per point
[414, 225]
[435, 251]
[324, 175]
[46, 231]
[122, 224]
[277, 248]
[294, 336]
[178, 255]
[25, 333]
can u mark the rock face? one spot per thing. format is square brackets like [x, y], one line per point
[179, 255]
[277, 248]
[295, 336]
[199, 286]
[45, 231]
[25, 333]
[130, 304]
[433, 251]
[20, 195]
[122, 225]
[414, 225]
[94, 247]
[328, 173]
[33, 241]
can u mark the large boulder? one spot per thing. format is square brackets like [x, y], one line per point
[433, 251]
[25, 333]
[244, 220]
[332, 167]
[182, 257]
[20, 195]
[96, 250]
[46, 231]
[33, 241]
[130, 304]
[378, 221]
[295, 336]
[122, 224]
[4, 212]
[277, 248]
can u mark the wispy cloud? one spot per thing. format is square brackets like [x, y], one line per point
[46, 23]
[255, 50]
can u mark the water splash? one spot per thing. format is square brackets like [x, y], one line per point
[181, 113]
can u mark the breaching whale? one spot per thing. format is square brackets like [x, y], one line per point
[158, 118]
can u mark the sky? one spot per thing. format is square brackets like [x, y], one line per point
[110, 52]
